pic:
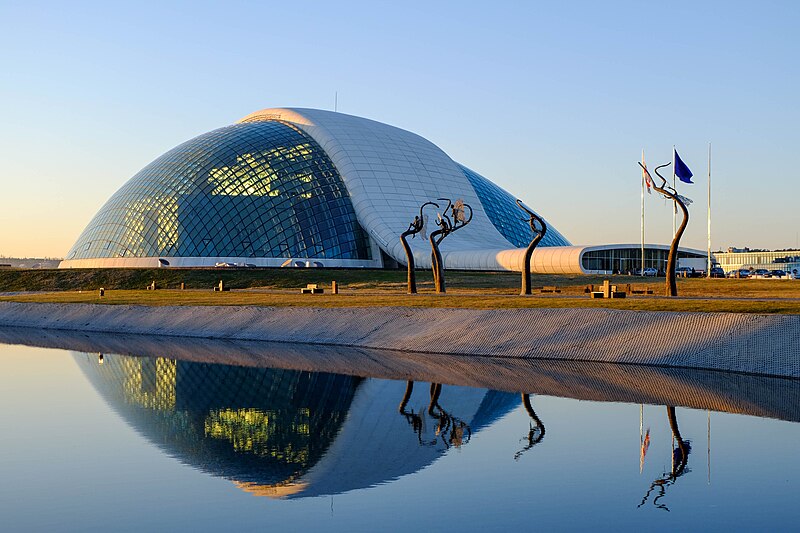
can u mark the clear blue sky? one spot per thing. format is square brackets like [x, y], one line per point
[553, 101]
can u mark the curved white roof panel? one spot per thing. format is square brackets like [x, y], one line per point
[390, 173]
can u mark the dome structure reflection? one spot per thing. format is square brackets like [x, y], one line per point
[284, 433]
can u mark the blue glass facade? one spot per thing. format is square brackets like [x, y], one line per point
[506, 216]
[254, 425]
[257, 189]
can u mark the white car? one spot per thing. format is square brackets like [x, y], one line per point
[648, 272]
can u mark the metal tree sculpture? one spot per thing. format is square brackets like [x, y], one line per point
[448, 223]
[417, 226]
[539, 228]
[671, 194]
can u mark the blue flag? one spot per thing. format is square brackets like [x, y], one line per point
[681, 170]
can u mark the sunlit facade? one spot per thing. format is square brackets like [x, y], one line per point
[297, 187]
[305, 187]
[786, 260]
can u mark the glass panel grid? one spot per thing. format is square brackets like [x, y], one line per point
[507, 217]
[258, 189]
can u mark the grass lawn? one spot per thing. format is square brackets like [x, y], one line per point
[366, 288]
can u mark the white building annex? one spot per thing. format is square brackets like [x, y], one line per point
[305, 187]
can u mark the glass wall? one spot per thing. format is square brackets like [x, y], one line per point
[259, 189]
[507, 217]
[629, 260]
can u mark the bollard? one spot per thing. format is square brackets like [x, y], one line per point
[102, 292]
[334, 287]
[183, 285]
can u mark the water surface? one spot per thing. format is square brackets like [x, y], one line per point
[173, 439]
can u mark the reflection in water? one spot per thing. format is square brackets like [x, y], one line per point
[259, 427]
[288, 433]
[452, 430]
[761, 396]
[449, 429]
[535, 430]
[680, 457]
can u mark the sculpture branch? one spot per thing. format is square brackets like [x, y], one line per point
[460, 214]
[416, 226]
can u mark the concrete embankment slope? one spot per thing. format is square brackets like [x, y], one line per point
[759, 344]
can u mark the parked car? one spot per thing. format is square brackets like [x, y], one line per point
[741, 273]
[778, 273]
[648, 272]
[686, 272]
[760, 273]
[717, 272]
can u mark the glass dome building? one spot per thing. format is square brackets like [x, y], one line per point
[292, 187]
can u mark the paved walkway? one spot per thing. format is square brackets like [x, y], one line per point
[759, 344]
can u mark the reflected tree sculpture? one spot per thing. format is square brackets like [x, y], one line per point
[450, 429]
[416, 226]
[536, 428]
[680, 457]
[413, 419]
[671, 194]
[455, 217]
[539, 228]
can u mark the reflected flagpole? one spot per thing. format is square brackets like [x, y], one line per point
[708, 445]
[641, 427]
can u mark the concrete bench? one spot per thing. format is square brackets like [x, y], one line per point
[608, 291]
[221, 287]
[312, 288]
[641, 291]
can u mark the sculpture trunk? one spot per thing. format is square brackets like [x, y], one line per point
[672, 260]
[526, 267]
[534, 221]
[412, 275]
[438, 269]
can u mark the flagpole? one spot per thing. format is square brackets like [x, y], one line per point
[642, 269]
[674, 203]
[708, 270]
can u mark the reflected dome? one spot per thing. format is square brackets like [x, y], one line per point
[286, 433]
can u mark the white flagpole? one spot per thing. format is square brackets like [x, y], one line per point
[642, 269]
[674, 203]
[708, 271]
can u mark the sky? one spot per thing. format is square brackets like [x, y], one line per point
[553, 101]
